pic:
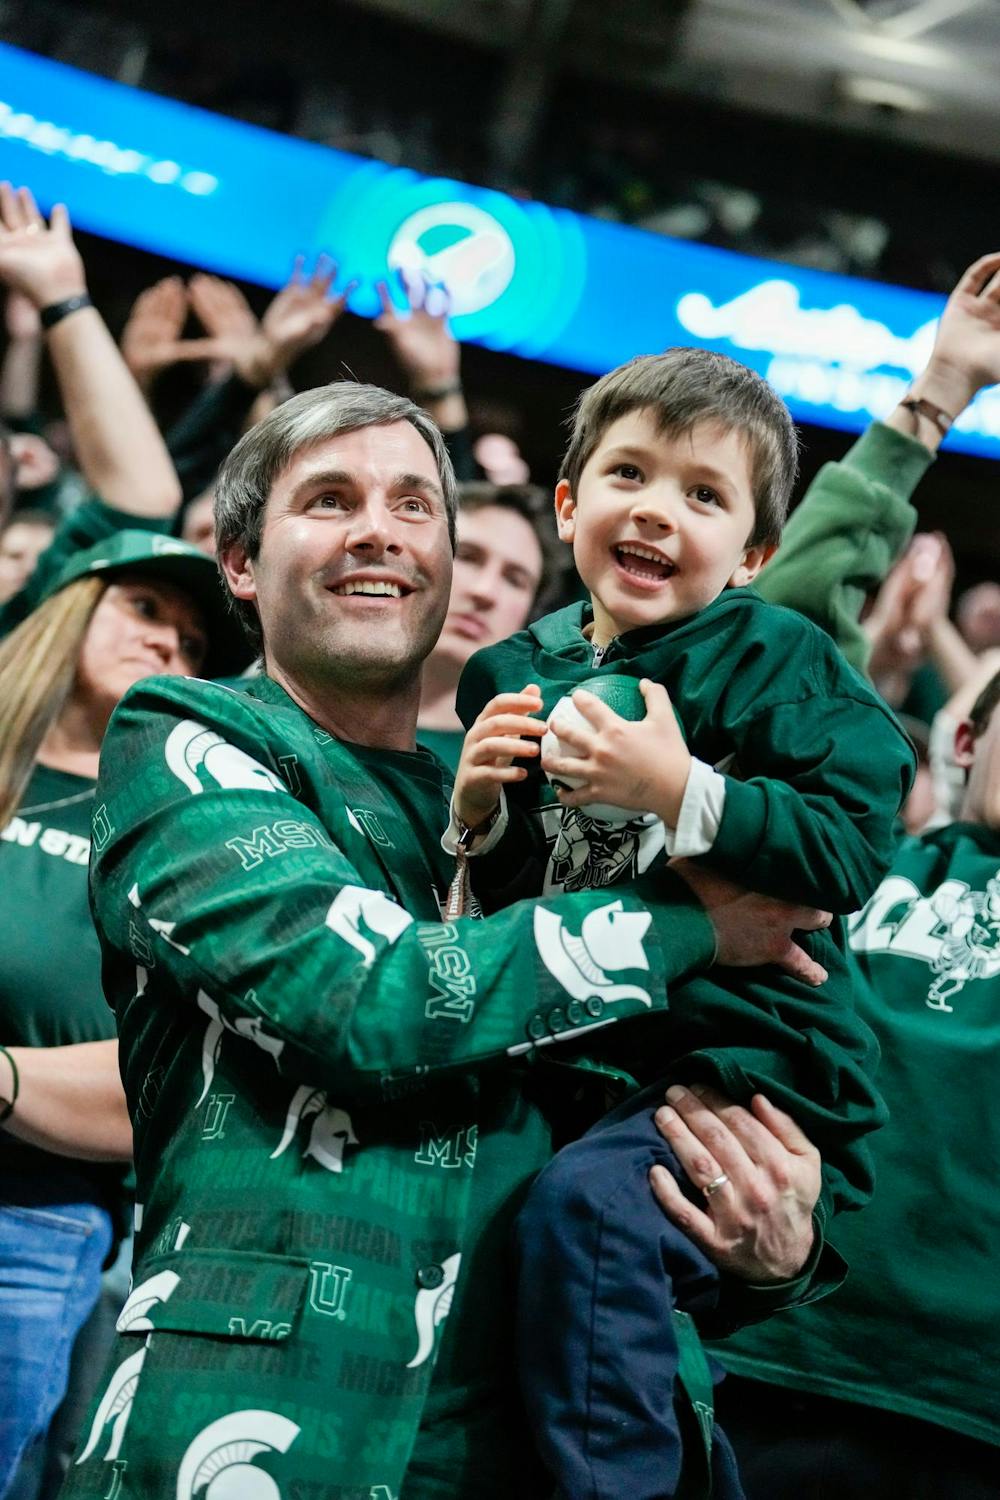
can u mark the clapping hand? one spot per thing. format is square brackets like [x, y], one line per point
[151, 339]
[421, 340]
[300, 316]
[966, 353]
[38, 260]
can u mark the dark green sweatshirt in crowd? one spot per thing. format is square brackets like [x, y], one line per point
[916, 1327]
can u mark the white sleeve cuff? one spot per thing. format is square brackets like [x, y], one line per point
[483, 842]
[701, 812]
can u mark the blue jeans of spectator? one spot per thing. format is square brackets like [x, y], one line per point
[600, 1269]
[51, 1255]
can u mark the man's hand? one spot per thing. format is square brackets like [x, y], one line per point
[38, 260]
[758, 1223]
[151, 339]
[421, 339]
[502, 732]
[966, 353]
[751, 929]
[300, 316]
[35, 463]
[642, 765]
[302, 313]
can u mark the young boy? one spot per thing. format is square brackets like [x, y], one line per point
[786, 779]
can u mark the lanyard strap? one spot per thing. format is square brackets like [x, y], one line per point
[695, 1379]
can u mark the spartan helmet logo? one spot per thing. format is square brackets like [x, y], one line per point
[250, 1028]
[331, 1130]
[356, 904]
[217, 1464]
[432, 1306]
[116, 1403]
[198, 757]
[142, 1299]
[610, 939]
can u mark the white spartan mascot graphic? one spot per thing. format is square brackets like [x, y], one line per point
[331, 1129]
[116, 1403]
[432, 1306]
[970, 948]
[218, 1463]
[196, 754]
[610, 939]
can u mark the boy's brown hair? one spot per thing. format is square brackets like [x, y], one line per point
[682, 387]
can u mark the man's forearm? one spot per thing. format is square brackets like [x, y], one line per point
[955, 661]
[70, 1100]
[117, 442]
[19, 378]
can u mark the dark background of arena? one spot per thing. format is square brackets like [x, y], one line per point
[793, 129]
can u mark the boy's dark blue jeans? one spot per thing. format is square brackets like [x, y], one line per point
[600, 1271]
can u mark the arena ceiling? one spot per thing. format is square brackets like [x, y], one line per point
[921, 72]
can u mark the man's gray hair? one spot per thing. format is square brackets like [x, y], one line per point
[247, 477]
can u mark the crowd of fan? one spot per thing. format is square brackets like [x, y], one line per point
[73, 478]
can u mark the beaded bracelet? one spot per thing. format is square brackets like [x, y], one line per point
[919, 406]
[7, 1105]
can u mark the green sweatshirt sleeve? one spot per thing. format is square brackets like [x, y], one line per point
[817, 825]
[349, 988]
[851, 526]
[743, 1303]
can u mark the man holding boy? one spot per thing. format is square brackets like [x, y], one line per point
[791, 775]
[314, 1060]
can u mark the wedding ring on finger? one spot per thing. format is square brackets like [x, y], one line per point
[715, 1184]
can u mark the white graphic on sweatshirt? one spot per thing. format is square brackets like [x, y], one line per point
[432, 1306]
[356, 904]
[197, 755]
[955, 931]
[116, 1404]
[590, 853]
[610, 939]
[216, 1465]
[115, 1407]
[142, 1299]
[250, 1028]
[331, 1129]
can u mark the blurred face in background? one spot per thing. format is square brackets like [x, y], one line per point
[142, 627]
[21, 545]
[977, 615]
[199, 523]
[498, 569]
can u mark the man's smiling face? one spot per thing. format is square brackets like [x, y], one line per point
[352, 576]
[660, 524]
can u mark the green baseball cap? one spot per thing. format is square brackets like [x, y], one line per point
[159, 556]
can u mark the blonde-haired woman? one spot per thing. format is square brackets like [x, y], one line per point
[134, 606]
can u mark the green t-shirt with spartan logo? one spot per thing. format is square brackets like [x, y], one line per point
[50, 960]
[916, 1327]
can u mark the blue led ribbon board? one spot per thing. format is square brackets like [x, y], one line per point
[536, 281]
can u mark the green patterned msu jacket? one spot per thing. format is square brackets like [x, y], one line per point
[314, 1062]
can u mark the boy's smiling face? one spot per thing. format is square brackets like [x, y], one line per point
[660, 525]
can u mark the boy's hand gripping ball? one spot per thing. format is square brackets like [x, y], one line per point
[622, 695]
